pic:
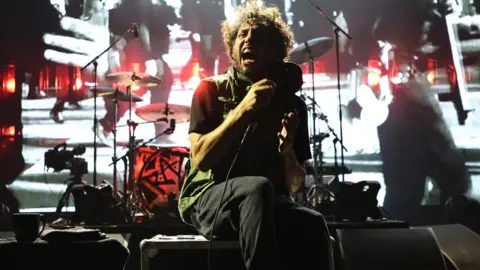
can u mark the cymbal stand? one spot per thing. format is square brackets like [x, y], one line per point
[311, 68]
[114, 132]
[129, 184]
[336, 31]
[336, 139]
[315, 195]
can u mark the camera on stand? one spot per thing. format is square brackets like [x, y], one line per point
[59, 159]
[93, 204]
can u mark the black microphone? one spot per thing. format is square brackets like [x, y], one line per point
[173, 123]
[289, 77]
[135, 30]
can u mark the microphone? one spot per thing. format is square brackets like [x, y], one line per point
[135, 30]
[289, 77]
[173, 123]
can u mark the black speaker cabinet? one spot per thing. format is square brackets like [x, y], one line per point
[392, 249]
[460, 246]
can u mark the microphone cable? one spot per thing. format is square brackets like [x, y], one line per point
[247, 131]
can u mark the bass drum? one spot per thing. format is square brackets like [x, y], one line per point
[159, 175]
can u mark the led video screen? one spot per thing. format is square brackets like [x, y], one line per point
[409, 84]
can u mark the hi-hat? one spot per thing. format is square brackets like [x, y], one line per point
[127, 78]
[317, 47]
[153, 112]
[110, 93]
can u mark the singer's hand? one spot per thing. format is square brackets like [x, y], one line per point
[88, 42]
[287, 134]
[259, 96]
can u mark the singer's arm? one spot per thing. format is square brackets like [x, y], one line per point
[210, 141]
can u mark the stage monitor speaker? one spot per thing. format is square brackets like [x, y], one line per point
[460, 246]
[392, 249]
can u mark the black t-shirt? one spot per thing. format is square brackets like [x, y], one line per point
[258, 155]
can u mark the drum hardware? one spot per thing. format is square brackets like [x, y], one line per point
[316, 47]
[114, 93]
[167, 131]
[164, 111]
[336, 31]
[127, 78]
[114, 132]
[94, 62]
[319, 192]
[159, 179]
[129, 185]
[144, 123]
[307, 52]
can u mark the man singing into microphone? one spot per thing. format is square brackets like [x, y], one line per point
[256, 94]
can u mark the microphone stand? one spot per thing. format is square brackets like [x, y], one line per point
[94, 62]
[336, 31]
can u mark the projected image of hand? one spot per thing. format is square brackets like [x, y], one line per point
[88, 41]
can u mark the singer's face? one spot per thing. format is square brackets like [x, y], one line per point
[253, 50]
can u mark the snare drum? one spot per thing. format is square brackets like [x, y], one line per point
[159, 174]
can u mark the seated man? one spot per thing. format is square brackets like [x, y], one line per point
[249, 139]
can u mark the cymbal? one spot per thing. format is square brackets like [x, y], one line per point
[110, 93]
[153, 112]
[126, 78]
[317, 47]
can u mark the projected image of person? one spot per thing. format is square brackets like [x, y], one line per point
[415, 141]
[202, 18]
[103, 22]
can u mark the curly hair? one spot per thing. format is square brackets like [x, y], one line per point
[269, 16]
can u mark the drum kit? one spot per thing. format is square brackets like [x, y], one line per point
[137, 180]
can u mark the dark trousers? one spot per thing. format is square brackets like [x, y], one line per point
[70, 97]
[274, 232]
[416, 142]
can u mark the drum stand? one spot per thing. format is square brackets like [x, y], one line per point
[319, 191]
[130, 202]
[128, 185]
[316, 193]
[130, 199]
[114, 132]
